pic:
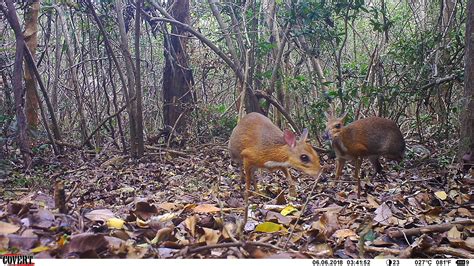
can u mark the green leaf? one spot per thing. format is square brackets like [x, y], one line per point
[288, 210]
[269, 227]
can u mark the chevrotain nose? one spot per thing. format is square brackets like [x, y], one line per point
[326, 135]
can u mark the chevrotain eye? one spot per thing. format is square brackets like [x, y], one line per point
[304, 158]
[337, 126]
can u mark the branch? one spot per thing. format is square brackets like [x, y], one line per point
[105, 121]
[168, 18]
[439, 81]
[438, 228]
[262, 94]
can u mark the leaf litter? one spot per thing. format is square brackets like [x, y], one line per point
[171, 206]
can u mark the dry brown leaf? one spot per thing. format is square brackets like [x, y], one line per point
[162, 235]
[8, 228]
[229, 230]
[85, 242]
[190, 224]
[169, 206]
[463, 212]
[343, 233]
[145, 210]
[372, 201]
[383, 215]
[467, 244]
[100, 215]
[210, 236]
[206, 208]
[454, 233]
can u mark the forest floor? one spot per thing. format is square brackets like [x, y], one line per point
[189, 204]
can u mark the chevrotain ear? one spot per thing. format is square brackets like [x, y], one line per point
[343, 116]
[327, 115]
[304, 135]
[290, 138]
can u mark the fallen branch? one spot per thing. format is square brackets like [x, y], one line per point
[262, 94]
[382, 250]
[437, 228]
[179, 153]
[456, 252]
[304, 207]
[233, 244]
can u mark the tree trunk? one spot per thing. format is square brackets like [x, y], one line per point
[74, 78]
[466, 142]
[130, 78]
[31, 38]
[18, 91]
[139, 115]
[177, 76]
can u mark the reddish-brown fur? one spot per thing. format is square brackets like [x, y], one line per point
[257, 143]
[369, 137]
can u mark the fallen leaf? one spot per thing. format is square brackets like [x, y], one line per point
[288, 210]
[8, 228]
[162, 235]
[343, 233]
[115, 223]
[190, 224]
[372, 201]
[206, 208]
[39, 249]
[100, 215]
[383, 214]
[84, 242]
[210, 236]
[169, 206]
[463, 212]
[271, 216]
[145, 210]
[228, 230]
[454, 233]
[441, 195]
[269, 227]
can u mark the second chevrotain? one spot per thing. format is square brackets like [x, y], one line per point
[257, 143]
[370, 137]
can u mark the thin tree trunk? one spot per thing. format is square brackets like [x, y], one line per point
[31, 38]
[138, 83]
[74, 79]
[177, 76]
[18, 91]
[466, 143]
[130, 77]
[113, 58]
[57, 64]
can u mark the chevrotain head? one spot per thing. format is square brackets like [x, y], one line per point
[302, 155]
[334, 125]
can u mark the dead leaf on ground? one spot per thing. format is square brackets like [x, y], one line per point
[206, 208]
[8, 228]
[85, 242]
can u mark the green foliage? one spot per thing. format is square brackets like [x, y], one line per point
[217, 122]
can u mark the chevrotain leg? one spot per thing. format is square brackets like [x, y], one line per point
[248, 177]
[376, 164]
[358, 164]
[339, 166]
[291, 182]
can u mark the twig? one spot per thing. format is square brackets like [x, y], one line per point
[398, 232]
[179, 153]
[382, 250]
[74, 189]
[456, 252]
[233, 244]
[304, 207]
